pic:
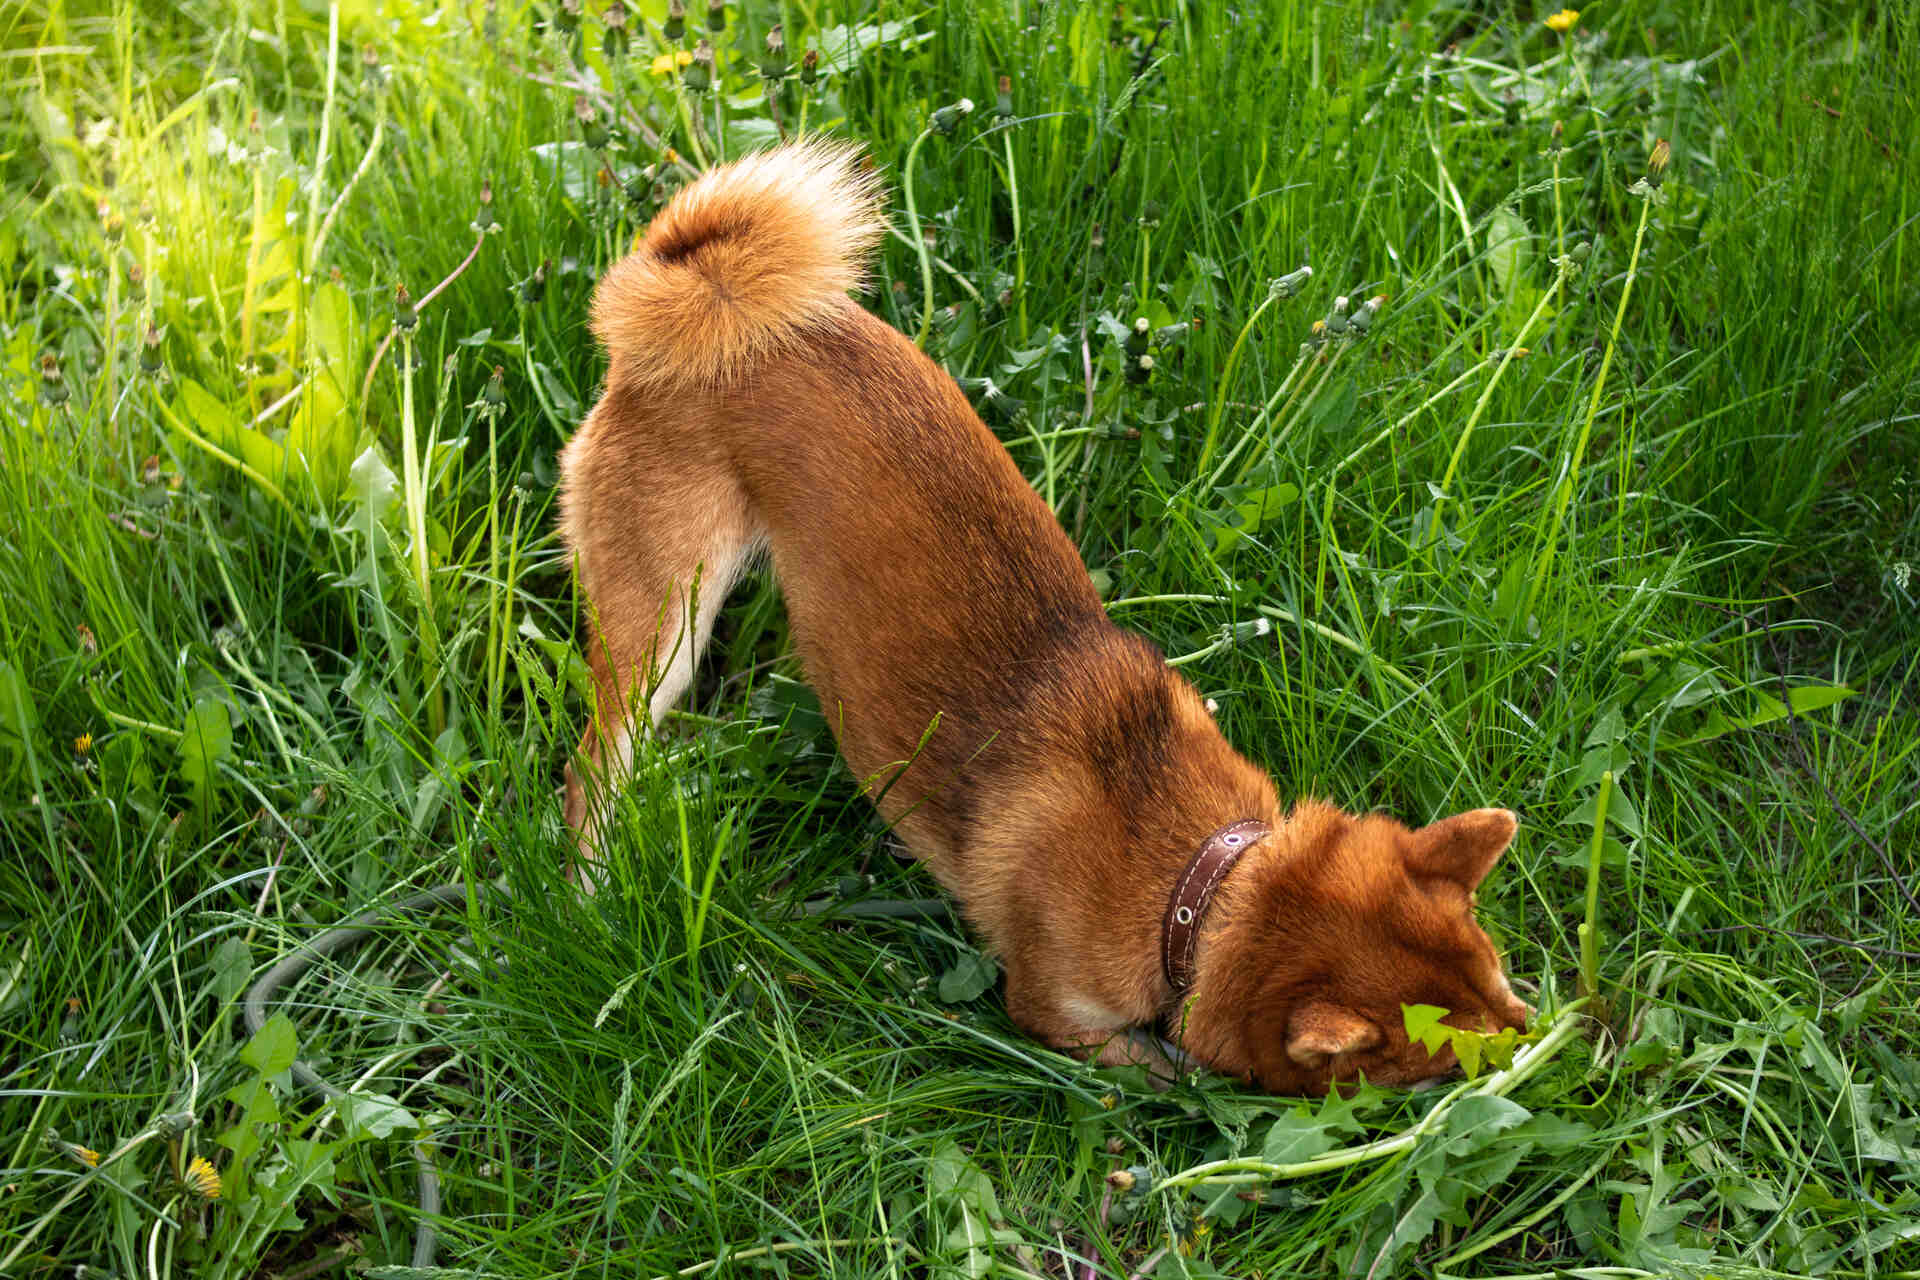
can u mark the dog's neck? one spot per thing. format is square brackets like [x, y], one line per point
[1193, 893]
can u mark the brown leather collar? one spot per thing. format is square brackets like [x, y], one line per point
[1193, 894]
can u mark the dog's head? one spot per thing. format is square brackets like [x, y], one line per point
[1339, 925]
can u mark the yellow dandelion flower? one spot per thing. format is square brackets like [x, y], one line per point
[666, 62]
[86, 1156]
[1563, 21]
[1662, 155]
[203, 1179]
[83, 744]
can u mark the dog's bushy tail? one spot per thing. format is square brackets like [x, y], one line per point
[738, 263]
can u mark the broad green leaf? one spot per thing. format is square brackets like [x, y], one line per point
[1509, 250]
[746, 134]
[273, 1047]
[1478, 1119]
[374, 490]
[1802, 699]
[205, 740]
[969, 978]
[1249, 511]
[842, 47]
[950, 1174]
[1333, 409]
[232, 966]
[15, 986]
[1295, 1137]
[255, 1100]
[208, 417]
[1423, 1024]
[299, 1165]
[371, 1115]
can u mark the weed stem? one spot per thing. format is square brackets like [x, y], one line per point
[1589, 928]
[919, 243]
[1567, 481]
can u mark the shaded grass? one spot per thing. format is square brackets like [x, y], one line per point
[284, 727]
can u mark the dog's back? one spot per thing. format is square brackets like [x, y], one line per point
[750, 402]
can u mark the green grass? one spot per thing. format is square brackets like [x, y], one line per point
[265, 664]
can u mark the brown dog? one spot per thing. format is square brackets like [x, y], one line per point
[1059, 780]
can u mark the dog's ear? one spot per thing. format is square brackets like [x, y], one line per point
[1462, 848]
[1319, 1030]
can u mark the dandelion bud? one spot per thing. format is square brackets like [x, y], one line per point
[639, 192]
[136, 282]
[1657, 162]
[534, 287]
[1363, 318]
[175, 1124]
[947, 118]
[1141, 335]
[775, 65]
[404, 316]
[53, 392]
[810, 67]
[676, 24]
[698, 75]
[614, 45]
[716, 16]
[1140, 370]
[1003, 105]
[495, 392]
[1580, 252]
[1241, 632]
[150, 353]
[997, 406]
[1150, 214]
[1289, 284]
[111, 223]
[1337, 318]
[483, 220]
[567, 16]
[591, 130]
[1121, 1180]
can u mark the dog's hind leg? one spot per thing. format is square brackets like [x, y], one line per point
[657, 553]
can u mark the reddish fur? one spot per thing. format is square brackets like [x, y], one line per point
[1072, 773]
